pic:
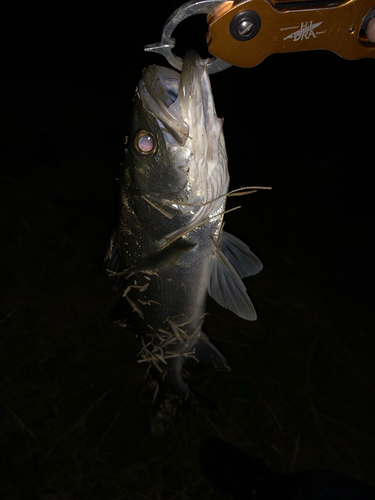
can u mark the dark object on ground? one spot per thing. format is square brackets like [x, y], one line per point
[235, 473]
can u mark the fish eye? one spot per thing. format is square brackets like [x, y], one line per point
[145, 143]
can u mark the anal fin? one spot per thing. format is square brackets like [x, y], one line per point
[205, 352]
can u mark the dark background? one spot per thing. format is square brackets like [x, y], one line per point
[75, 416]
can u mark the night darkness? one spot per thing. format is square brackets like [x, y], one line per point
[74, 414]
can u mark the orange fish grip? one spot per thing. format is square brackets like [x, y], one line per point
[244, 33]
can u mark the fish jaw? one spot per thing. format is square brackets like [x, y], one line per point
[189, 124]
[209, 165]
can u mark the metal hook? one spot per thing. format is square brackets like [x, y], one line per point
[165, 46]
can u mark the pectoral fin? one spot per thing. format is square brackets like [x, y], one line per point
[226, 287]
[240, 256]
[170, 255]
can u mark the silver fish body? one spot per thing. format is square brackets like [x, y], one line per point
[169, 249]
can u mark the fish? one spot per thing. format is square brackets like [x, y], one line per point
[169, 249]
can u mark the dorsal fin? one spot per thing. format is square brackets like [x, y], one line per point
[112, 263]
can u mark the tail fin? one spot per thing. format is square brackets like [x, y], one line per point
[168, 409]
[174, 395]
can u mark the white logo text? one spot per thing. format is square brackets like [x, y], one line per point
[304, 32]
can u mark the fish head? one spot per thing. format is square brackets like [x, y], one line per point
[177, 159]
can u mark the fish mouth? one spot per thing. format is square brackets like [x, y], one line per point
[181, 102]
[184, 108]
